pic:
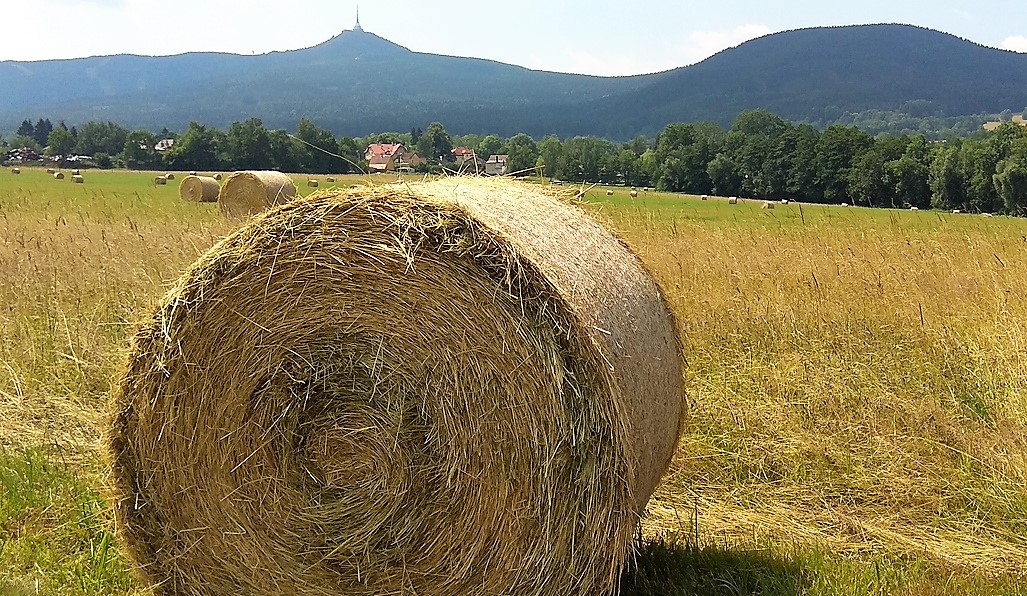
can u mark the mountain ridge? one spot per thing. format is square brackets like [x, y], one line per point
[357, 82]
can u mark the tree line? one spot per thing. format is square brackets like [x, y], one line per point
[760, 156]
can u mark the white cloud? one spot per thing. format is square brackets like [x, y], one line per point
[703, 44]
[1017, 43]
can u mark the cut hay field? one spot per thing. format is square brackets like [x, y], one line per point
[857, 382]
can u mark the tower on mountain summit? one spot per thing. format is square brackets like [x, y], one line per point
[357, 27]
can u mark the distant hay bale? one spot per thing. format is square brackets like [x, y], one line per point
[845, 204]
[312, 183]
[78, 179]
[732, 201]
[51, 170]
[986, 215]
[956, 211]
[329, 179]
[192, 172]
[249, 193]
[75, 172]
[15, 170]
[217, 176]
[170, 176]
[609, 193]
[768, 204]
[784, 201]
[399, 390]
[634, 194]
[914, 208]
[160, 181]
[199, 189]
[58, 175]
[704, 198]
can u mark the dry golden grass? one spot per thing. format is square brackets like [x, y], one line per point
[857, 384]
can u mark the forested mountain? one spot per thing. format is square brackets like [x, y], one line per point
[357, 83]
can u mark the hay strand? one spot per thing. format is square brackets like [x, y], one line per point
[249, 193]
[399, 390]
[199, 189]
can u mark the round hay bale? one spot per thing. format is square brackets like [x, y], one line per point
[15, 170]
[845, 204]
[58, 175]
[329, 179]
[160, 181]
[956, 211]
[78, 179]
[51, 170]
[732, 201]
[704, 198]
[399, 390]
[312, 183]
[217, 176]
[199, 189]
[249, 193]
[609, 193]
[914, 208]
[634, 194]
[768, 204]
[784, 201]
[192, 172]
[170, 176]
[75, 172]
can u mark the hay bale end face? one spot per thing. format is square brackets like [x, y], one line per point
[249, 193]
[78, 179]
[411, 391]
[217, 176]
[58, 175]
[199, 189]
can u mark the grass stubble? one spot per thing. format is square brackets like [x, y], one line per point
[856, 383]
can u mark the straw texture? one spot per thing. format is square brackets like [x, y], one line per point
[199, 189]
[249, 193]
[455, 387]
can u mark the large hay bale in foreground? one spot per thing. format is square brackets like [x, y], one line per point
[455, 387]
[199, 189]
[249, 193]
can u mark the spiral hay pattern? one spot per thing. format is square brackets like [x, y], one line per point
[249, 193]
[456, 387]
[199, 189]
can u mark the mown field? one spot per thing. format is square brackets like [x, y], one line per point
[857, 384]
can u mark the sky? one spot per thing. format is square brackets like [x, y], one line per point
[599, 37]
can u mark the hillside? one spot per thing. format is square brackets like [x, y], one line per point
[357, 83]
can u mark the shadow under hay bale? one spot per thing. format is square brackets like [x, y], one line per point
[399, 390]
[199, 189]
[249, 193]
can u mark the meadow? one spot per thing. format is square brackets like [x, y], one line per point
[857, 386]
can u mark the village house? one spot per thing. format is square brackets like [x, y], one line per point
[389, 157]
[496, 165]
[463, 155]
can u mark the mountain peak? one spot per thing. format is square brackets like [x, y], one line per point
[359, 42]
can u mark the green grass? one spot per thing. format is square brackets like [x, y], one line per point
[856, 379]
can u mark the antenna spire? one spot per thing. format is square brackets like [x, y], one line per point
[357, 27]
